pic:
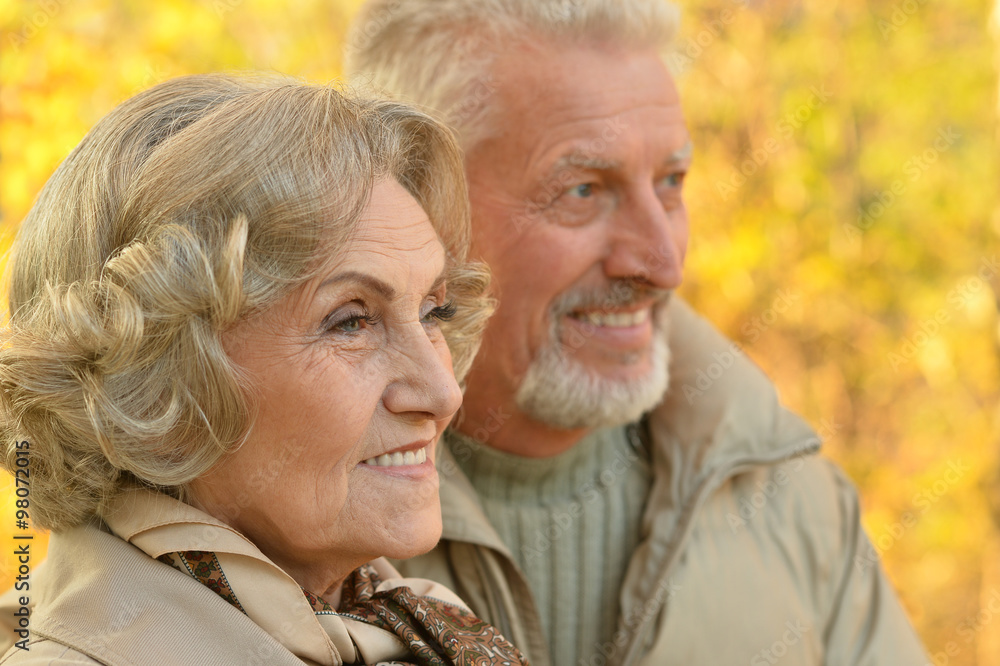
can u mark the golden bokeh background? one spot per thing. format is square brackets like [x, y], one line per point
[845, 226]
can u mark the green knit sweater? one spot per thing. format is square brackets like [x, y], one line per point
[571, 522]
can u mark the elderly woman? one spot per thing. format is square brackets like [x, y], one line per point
[235, 311]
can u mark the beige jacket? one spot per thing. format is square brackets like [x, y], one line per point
[751, 553]
[101, 597]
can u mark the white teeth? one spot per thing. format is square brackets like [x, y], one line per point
[399, 459]
[617, 319]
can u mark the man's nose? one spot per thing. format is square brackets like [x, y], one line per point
[647, 243]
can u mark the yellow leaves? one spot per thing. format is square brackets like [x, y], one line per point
[790, 194]
[935, 361]
[737, 286]
[171, 23]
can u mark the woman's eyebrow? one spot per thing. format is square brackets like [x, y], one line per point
[382, 288]
[440, 280]
[377, 285]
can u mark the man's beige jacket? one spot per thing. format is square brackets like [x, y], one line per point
[752, 551]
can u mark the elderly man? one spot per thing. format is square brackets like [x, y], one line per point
[593, 515]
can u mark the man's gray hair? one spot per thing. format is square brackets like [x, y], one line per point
[438, 54]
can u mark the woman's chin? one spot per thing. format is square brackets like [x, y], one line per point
[416, 538]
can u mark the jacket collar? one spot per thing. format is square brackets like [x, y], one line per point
[158, 524]
[105, 598]
[721, 411]
[95, 569]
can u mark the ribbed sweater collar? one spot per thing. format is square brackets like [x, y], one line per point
[500, 475]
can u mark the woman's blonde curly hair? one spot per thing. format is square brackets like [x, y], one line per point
[189, 207]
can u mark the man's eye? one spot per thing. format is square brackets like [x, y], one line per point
[583, 190]
[674, 179]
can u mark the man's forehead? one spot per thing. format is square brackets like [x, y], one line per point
[542, 70]
[598, 90]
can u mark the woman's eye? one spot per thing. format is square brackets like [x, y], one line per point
[352, 323]
[440, 313]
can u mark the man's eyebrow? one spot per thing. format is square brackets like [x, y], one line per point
[681, 155]
[384, 289]
[577, 160]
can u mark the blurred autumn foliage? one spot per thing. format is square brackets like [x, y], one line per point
[845, 226]
[845, 231]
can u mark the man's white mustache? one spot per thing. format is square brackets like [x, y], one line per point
[608, 298]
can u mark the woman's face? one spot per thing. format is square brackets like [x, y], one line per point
[355, 386]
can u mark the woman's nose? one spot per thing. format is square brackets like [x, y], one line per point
[424, 379]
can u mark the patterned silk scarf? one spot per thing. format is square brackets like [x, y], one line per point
[435, 632]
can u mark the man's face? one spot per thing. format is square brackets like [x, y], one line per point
[577, 209]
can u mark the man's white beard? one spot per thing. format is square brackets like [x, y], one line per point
[561, 392]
